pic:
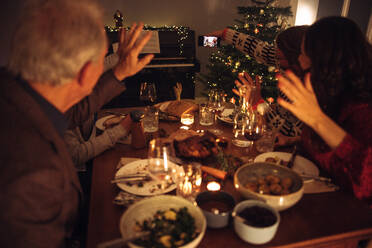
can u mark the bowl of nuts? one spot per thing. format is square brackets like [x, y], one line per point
[279, 186]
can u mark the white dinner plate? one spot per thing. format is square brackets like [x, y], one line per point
[99, 122]
[225, 116]
[149, 188]
[301, 165]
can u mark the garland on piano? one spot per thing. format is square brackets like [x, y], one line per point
[182, 32]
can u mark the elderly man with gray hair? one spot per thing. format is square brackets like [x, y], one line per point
[50, 84]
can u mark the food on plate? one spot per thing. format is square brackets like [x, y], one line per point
[196, 147]
[271, 184]
[276, 160]
[170, 228]
[110, 122]
[177, 108]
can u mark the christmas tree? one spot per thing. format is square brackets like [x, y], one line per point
[263, 20]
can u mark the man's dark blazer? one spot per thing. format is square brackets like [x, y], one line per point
[39, 188]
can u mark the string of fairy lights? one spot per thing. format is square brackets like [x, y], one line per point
[182, 32]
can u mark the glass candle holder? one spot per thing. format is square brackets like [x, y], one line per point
[187, 119]
[189, 181]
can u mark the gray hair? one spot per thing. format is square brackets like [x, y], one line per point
[54, 40]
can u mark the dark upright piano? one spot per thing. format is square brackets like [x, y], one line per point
[176, 62]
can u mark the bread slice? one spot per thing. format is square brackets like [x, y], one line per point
[177, 108]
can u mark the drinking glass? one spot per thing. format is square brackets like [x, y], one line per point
[206, 115]
[159, 165]
[189, 181]
[148, 93]
[254, 126]
[150, 119]
[267, 142]
[217, 102]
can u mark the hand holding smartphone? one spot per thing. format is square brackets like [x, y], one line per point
[209, 41]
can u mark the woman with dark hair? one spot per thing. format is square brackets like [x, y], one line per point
[283, 55]
[335, 102]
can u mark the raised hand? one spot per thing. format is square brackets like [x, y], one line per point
[246, 80]
[303, 103]
[305, 106]
[129, 48]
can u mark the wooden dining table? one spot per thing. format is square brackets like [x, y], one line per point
[331, 219]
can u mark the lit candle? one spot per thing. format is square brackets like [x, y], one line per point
[187, 187]
[213, 186]
[187, 119]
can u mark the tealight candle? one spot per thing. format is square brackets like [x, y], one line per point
[187, 118]
[213, 186]
[189, 181]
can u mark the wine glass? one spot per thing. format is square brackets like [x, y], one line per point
[159, 166]
[217, 102]
[254, 126]
[148, 93]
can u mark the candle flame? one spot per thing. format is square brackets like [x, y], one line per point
[213, 186]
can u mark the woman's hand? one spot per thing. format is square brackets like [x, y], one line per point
[246, 80]
[303, 103]
[129, 48]
[305, 106]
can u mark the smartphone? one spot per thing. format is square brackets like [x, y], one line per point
[209, 41]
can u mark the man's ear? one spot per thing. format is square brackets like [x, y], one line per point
[84, 74]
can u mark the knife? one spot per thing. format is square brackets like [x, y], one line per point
[293, 156]
[132, 179]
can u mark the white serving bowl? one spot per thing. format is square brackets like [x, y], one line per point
[146, 208]
[253, 234]
[216, 218]
[253, 171]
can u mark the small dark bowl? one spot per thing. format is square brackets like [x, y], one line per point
[217, 207]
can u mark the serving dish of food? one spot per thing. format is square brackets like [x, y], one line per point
[278, 186]
[170, 221]
[177, 107]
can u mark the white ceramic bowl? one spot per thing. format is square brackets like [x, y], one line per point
[252, 234]
[251, 172]
[145, 209]
[215, 217]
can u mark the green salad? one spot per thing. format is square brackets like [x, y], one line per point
[170, 228]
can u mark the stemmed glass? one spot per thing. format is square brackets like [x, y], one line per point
[148, 93]
[159, 165]
[254, 126]
[217, 102]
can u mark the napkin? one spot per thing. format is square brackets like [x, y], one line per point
[312, 187]
[124, 198]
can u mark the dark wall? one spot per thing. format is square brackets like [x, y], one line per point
[359, 11]
[329, 8]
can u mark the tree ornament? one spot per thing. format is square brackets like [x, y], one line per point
[118, 18]
[246, 25]
[262, 12]
[256, 31]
